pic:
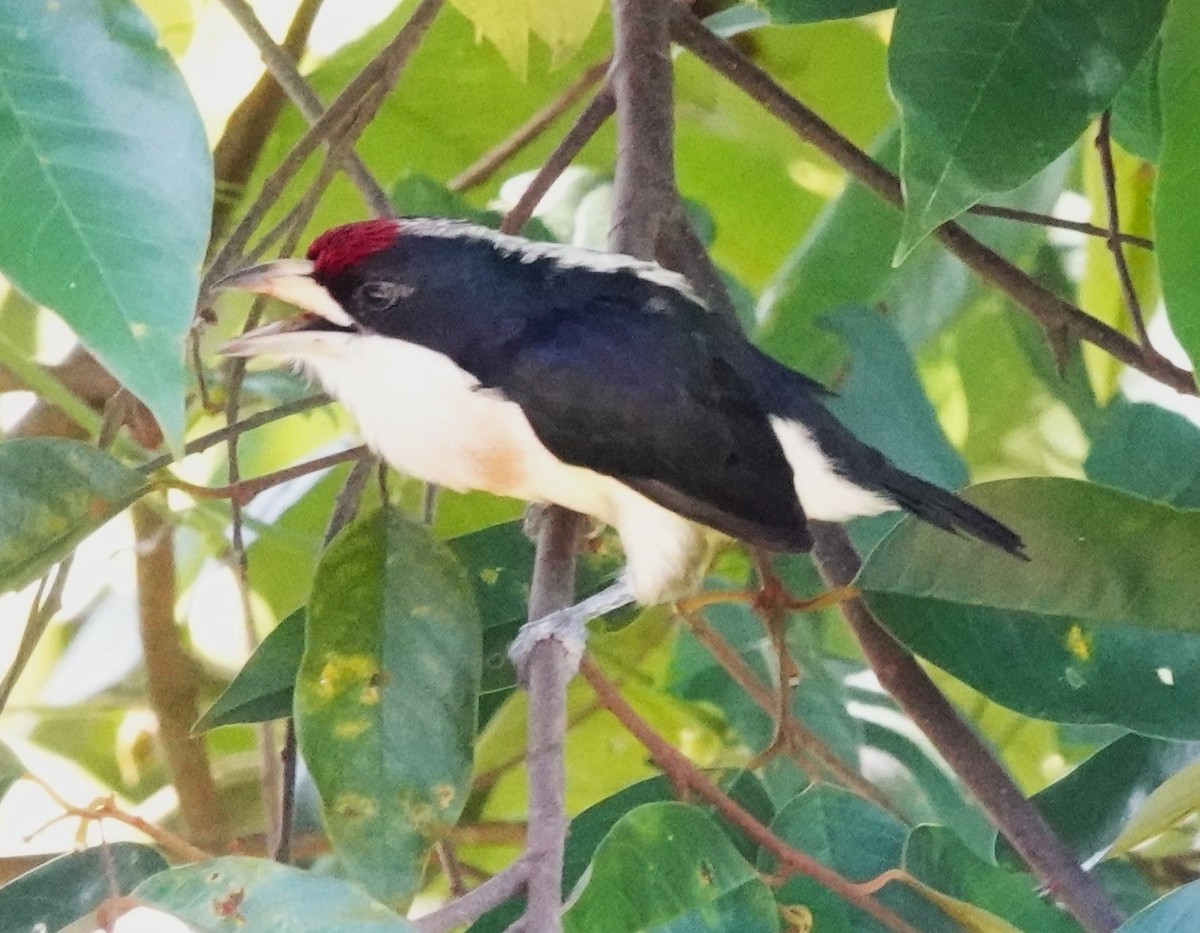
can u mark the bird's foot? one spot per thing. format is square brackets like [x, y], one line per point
[566, 626]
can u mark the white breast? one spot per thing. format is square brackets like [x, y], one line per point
[434, 421]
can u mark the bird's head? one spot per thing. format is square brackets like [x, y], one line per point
[346, 281]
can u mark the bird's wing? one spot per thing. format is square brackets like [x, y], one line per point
[643, 398]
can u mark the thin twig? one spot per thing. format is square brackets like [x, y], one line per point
[172, 680]
[222, 435]
[249, 126]
[590, 120]
[1051, 310]
[1108, 172]
[379, 75]
[245, 490]
[282, 67]
[809, 748]
[451, 867]
[682, 773]
[1014, 815]
[491, 162]
[1061, 223]
[475, 903]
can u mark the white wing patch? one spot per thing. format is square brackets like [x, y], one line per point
[824, 494]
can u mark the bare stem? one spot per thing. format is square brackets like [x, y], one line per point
[491, 162]
[1051, 310]
[590, 120]
[172, 680]
[1112, 235]
[1015, 816]
[683, 774]
[1061, 223]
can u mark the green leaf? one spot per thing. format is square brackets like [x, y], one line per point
[386, 697]
[1096, 627]
[845, 259]
[1089, 807]
[857, 840]
[1095, 554]
[810, 11]
[1176, 222]
[1137, 109]
[11, 769]
[1177, 797]
[593, 825]
[254, 895]
[108, 181]
[949, 804]
[1149, 451]
[668, 866]
[263, 688]
[991, 94]
[562, 26]
[1174, 913]
[53, 494]
[64, 889]
[937, 858]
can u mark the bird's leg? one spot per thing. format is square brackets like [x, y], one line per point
[771, 602]
[568, 626]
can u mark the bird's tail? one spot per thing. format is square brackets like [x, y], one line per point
[946, 510]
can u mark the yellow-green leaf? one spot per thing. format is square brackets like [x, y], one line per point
[1178, 796]
[562, 24]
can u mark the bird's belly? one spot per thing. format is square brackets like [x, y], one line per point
[436, 423]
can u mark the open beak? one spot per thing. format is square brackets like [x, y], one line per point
[289, 280]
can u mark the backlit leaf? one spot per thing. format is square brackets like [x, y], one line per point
[107, 180]
[973, 79]
[53, 493]
[386, 698]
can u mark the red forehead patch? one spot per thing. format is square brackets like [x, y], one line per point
[338, 249]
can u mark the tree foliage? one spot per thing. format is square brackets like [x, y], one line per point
[985, 245]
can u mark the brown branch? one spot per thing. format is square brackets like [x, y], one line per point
[172, 680]
[478, 901]
[549, 671]
[1051, 310]
[590, 120]
[1061, 223]
[251, 122]
[1014, 815]
[491, 162]
[808, 748]
[683, 774]
[221, 435]
[245, 490]
[281, 64]
[1108, 172]
[357, 101]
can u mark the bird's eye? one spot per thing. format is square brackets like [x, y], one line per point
[378, 296]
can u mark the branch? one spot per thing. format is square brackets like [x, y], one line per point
[1049, 309]
[907, 682]
[590, 120]
[683, 774]
[171, 680]
[491, 162]
[246, 131]
[1049, 220]
[1112, 235]
[644, 186]
[282, 66]
[358, 102]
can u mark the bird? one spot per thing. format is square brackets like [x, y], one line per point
[556, 374]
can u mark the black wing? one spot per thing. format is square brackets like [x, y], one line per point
[644, 394]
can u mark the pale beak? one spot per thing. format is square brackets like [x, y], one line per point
[288, 280]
